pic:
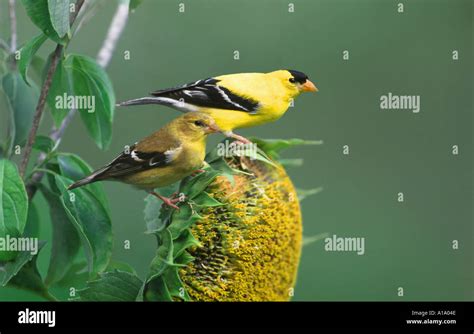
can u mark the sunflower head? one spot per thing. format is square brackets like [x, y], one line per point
[237, 237]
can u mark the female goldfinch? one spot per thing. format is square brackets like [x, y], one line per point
[163, 158]
[235, 100]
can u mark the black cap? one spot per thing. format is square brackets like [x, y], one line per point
[299, 77]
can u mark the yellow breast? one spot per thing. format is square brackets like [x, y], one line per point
[273, 98]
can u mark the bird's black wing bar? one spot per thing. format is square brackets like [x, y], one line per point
[208, 94]
[137, 161]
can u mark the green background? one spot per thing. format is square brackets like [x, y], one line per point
[407, 244]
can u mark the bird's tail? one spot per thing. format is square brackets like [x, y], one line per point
[94, 177]
[140, 101]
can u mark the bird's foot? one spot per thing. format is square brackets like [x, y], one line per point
[239, 140]
[176, 200]
[167, 201]
[174, 195]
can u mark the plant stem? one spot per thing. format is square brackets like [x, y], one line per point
[42, 99]
[115, 30]
[40, 108]
[4, 46]
[13, 33]
[120, 19]
[47, 295]
[55, 135]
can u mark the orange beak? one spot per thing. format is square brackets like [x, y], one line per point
[212, 128]
[308, 86]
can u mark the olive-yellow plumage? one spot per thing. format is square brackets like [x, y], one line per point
[163, 158]
[235, 100]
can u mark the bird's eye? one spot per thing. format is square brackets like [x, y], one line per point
[292, 80]
[198, 123]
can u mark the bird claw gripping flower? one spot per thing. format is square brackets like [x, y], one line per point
[237, 237]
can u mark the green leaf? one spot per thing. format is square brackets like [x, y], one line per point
[163, 258]
[184, 241]
[213, 154]
[4, 54]
[26, 54]
[152, 215]
[291, 162]
[37, 65]
[166, 287]
[182, 219]
[217, 162]
[112, 286]
[91, 81]
[66, 241]
[193, 186]
[22, 99]
[43, 144]
[91, 221]
[31, 231]
[262, 156]
[204, 200]
[29, 278]
[122, 266]
[32, 226]
[10, 269]
[303, 193]
[53, 167]
[8, 124]
[221, 165]
[59, 13]
[13, 202]
[134, 4]
[156, 290]
[273, 147]
[75, 276]
[156, 216]
[74, 168]
[184, 259]
[39, 14]
[174, 284]
[60, 90]
[7, 239]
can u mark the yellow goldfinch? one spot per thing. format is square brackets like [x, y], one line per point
[163, 158]
[235, 100]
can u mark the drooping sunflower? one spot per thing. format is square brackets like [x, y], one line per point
[238, 236]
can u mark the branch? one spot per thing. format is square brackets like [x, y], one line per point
[113, 35]
[55, 135]
[13, 34]
[42, 99]
[115, 30]
[92, 7]
[40, 108]
[4, 46]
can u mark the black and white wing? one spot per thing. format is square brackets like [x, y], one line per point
[137, 161]
[130, 162]
[200, 94]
